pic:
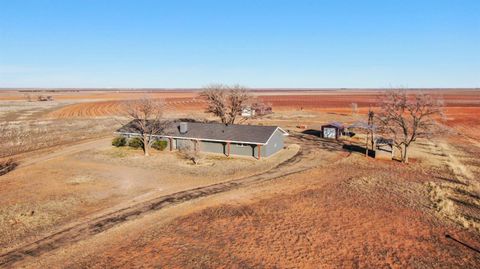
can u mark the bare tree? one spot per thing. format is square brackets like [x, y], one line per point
[147, 119]
[226, 102]
[190, 150]
[407, 117]
[216, 96]
[238, 99]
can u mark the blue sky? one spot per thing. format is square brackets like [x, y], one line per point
[95, 43]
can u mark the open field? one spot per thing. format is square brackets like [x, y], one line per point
[461, 105]
[74, 201]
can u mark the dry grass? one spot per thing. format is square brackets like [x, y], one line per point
[80, 179]
[100, 176]
[30, 219]
[448, 199]
[456, 196]
[25, 136]
[335, 217]
[173, 164]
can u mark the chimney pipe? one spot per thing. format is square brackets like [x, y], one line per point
[183, 127]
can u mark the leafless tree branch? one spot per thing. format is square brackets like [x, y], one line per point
[147, 119]
[405, 117]
[226, 102]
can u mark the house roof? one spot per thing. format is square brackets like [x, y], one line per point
[362, 125]
[384, 141]
[337, 125]
[248, 134]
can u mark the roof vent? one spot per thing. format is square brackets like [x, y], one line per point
[183, 127]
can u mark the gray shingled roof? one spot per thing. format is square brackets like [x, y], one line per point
[336, 124]
[250, 134]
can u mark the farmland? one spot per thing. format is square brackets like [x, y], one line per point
[76, 201]
[461, 106]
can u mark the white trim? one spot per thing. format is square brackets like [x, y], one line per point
[278, 128]
[285, 133]
[201, 139]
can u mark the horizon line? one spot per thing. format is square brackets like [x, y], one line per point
[248, 88]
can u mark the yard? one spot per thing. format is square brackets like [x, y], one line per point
[68, 185]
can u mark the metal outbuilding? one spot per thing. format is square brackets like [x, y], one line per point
[332, 130]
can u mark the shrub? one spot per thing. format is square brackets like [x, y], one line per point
[135, 143]
[7, 166]
[190, 152]
[119, 141]
[160, 145]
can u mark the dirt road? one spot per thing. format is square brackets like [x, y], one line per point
[305, 159]
[89, 145]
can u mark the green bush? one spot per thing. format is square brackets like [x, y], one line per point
[119, 141]
[135, 142]
[160, 145]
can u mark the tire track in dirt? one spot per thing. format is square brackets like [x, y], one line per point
[304, 159]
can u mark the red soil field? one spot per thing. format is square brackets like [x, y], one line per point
[465, 120]
[464, 102]
[113, 108]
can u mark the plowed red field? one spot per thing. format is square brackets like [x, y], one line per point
[117, 107]
[462, 107]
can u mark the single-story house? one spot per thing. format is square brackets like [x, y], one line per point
[257, 109]
[332, 130]
[248, 112]
[229, 139]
